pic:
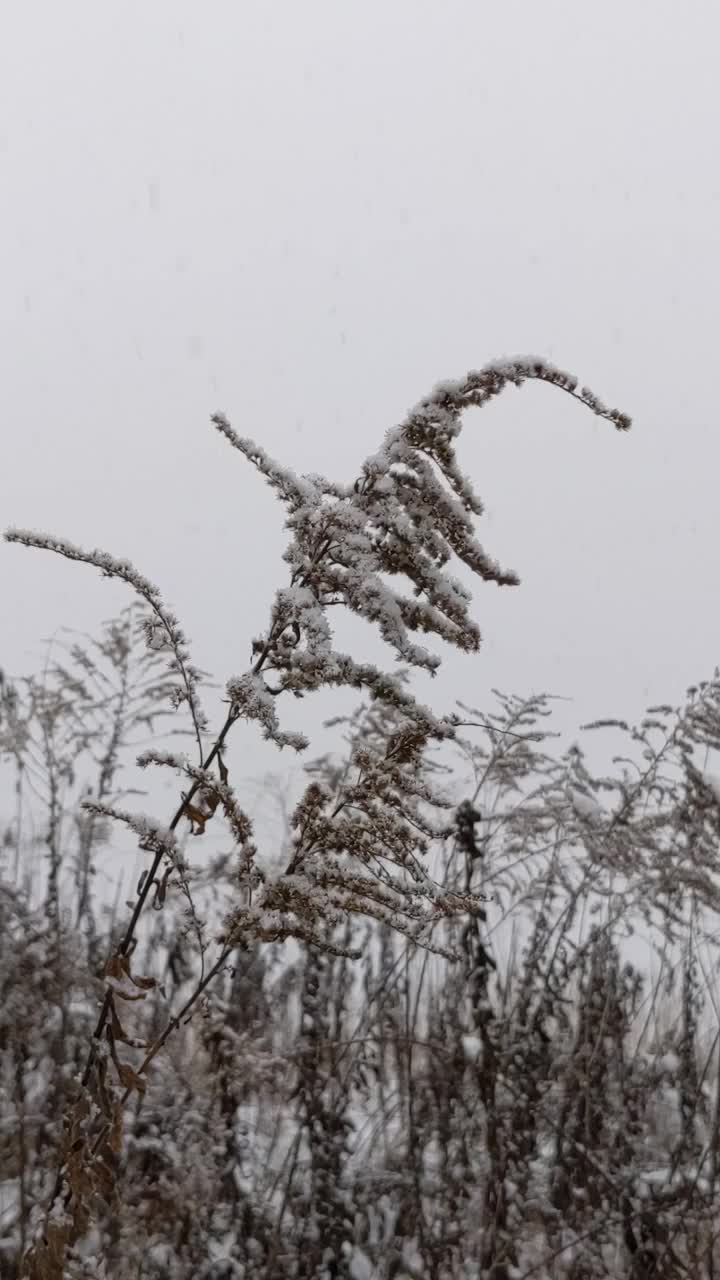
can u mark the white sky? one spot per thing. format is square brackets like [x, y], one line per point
[307, 213]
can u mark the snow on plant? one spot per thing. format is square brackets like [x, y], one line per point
[552, 1113]
[381, 548]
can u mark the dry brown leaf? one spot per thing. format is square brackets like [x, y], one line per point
[116, 1131]
[104, 1180]
[197, 818]
[129, 1077]
[79, 1173]
[145, 984]
[119, 1032]
[114, 967]
[127, 1074]
[103, 1095]
[118, 971]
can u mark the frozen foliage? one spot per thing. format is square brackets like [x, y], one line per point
[536, 1108]
[360, 842]
[410, 512]
[585, 806]
[161, 627]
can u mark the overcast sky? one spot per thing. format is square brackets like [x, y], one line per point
[307, 213]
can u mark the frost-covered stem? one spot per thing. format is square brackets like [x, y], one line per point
[170, 632]
[52, 838]
[479, 387]
[145, 891]
[322, 1118]
[180, 1017]
[18, 832]
[415, 1146]
[408, 514]
[20, 1051]
[140, 903]
[172, 1025]
[126, 944]
[108, 767]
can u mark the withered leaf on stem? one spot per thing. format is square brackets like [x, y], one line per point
[127, 1074]
[119, 1032]
[116, 1130]
[117, 970]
